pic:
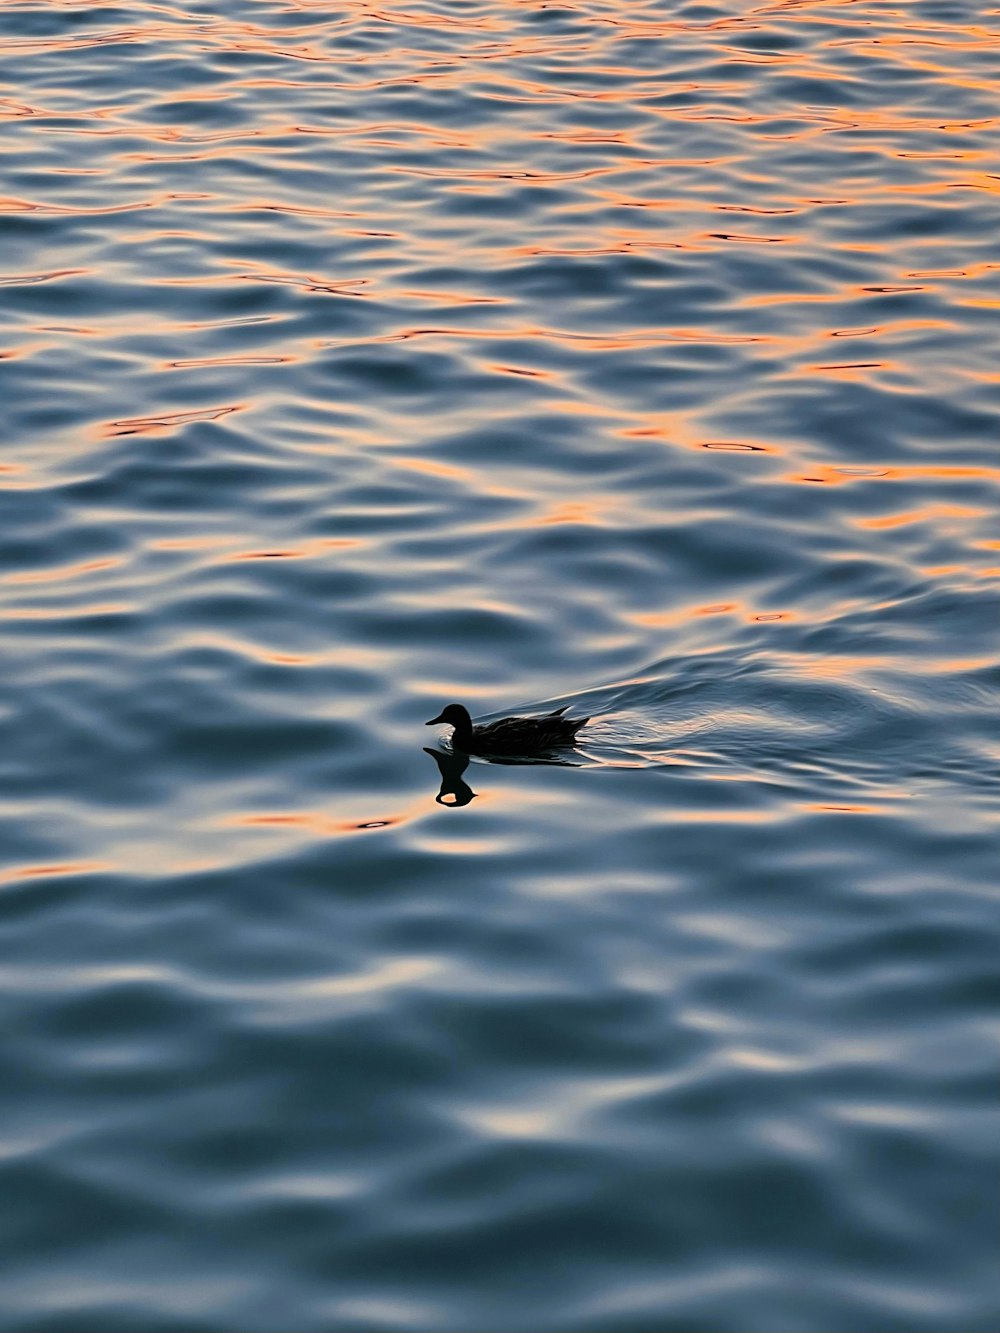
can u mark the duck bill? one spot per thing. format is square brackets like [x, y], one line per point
[433, 720]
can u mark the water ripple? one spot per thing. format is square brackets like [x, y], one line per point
[634, 358]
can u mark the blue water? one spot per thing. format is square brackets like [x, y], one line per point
[637, 357]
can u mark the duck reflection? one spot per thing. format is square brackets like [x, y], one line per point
[451, 767]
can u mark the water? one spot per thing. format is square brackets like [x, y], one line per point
[636, 357]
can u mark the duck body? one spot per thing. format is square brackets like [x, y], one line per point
[510, 735]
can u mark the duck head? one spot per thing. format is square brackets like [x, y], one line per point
[455, 714]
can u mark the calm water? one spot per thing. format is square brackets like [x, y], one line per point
[636, 357]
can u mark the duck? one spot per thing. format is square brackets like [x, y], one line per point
[511, 735]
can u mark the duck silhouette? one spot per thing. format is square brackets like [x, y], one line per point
[510, 735]
[451, 767]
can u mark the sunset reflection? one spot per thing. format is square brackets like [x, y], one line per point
[575, 359]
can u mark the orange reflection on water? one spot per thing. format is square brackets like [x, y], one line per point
[736, 447]
[665, 619]
[199, 543]
[30, 279]
[58, 574]
[585, 512]
[450, 298]
[55, 869]
[924, 515]
[724, 815]
[66, 612]
[843, 809]
[304, 551]
[685, 429]
[430, 467]
[326, 826]
[196, 363]
[256, 652]
[840, 475]
[848, 371]
[166, 421]
[499, 369]
[845, 666]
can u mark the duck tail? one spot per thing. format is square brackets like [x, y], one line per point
[576, 725]
[557, 712]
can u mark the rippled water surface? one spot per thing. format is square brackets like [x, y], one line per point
[636, 357]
